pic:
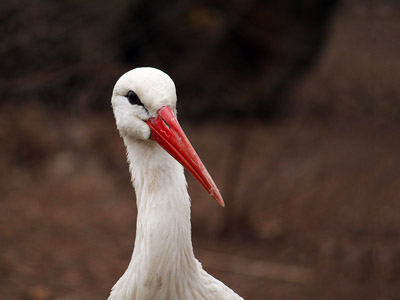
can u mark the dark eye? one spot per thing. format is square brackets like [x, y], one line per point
[133, 98]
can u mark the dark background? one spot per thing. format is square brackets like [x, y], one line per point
[293, 106]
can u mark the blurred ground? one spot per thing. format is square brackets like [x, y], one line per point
[315, 203]
[67, 221]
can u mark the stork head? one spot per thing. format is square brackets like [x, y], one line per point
[144, 104]
[137, 97]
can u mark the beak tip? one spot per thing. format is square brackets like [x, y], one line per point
[219, 199]
[215, 193]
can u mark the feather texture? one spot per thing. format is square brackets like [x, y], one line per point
[163, 265]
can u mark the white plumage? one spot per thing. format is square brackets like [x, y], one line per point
[163, 265]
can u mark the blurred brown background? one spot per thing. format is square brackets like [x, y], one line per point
[293, 106]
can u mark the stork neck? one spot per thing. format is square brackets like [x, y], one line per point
[163, 265]
[163, 232]
[158, 179]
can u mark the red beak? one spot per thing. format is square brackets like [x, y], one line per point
[167, 132]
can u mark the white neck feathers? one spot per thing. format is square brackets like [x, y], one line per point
[163, 265]
[163, 250]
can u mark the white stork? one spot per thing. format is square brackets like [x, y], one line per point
[163, 266]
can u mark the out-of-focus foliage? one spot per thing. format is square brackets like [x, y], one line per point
[227, 57]
[235, 57]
